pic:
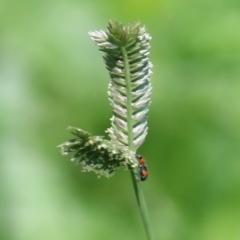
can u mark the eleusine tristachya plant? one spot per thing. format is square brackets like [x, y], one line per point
[126, 55]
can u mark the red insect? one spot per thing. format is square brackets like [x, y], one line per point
[143, 171]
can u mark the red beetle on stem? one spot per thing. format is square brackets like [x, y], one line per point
[143, 171]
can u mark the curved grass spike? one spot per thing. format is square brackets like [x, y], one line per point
[126, 57]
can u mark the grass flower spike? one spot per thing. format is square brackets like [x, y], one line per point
[127, 60]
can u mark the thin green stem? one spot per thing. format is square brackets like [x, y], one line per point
[136, 183]
[142, 207]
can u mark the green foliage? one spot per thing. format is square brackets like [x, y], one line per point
[48, 71]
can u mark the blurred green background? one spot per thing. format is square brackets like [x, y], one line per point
[52, 76]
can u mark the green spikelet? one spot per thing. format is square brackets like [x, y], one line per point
[96, 154]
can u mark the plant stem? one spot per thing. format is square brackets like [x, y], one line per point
[142, 207]
[136, 183]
